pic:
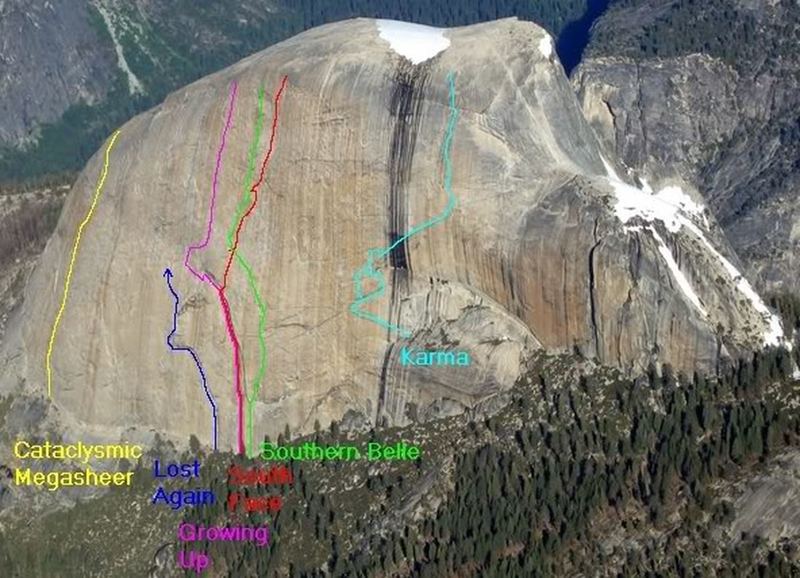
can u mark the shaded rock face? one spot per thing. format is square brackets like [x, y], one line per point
[663, 116]
[728, 128]
[767, 506]
[50, 60]
[531, 252]
[26, 220]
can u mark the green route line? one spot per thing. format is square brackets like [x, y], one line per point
[368, 270]
[241, 207]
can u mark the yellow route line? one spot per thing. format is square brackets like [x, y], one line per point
[73, 256]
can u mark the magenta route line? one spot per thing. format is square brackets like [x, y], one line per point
[214, 182]
[205, 277]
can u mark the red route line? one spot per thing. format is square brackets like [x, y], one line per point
[221, 288]
[257, 184]
[237, 366]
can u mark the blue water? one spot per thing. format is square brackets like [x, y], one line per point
[575, 35]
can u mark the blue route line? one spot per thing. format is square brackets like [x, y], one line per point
[173, 347]
[368, 270]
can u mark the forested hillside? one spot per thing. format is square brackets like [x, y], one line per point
[731, 31]
[601, 477]
[581, 472]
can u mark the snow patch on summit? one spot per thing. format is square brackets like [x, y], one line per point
[676, 210]
[546, 46]
[415, 42]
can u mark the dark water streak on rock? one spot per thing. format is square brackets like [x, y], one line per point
[405, 107]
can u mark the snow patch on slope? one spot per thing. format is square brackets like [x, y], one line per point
[774, 334]
[415, 42]
[683, 282]
[134, 85]
[670, 205]
[676, 210]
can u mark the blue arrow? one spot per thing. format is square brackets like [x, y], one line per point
[173, 347]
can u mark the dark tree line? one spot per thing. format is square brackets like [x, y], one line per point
[529, 503]
[727, 30]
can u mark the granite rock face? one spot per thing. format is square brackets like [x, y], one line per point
[663, 116]
[727, 126]
[542, 247]
[50, 59]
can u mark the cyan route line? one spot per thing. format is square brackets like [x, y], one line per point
[368, 270]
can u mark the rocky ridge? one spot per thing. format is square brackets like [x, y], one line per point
[714, 104]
